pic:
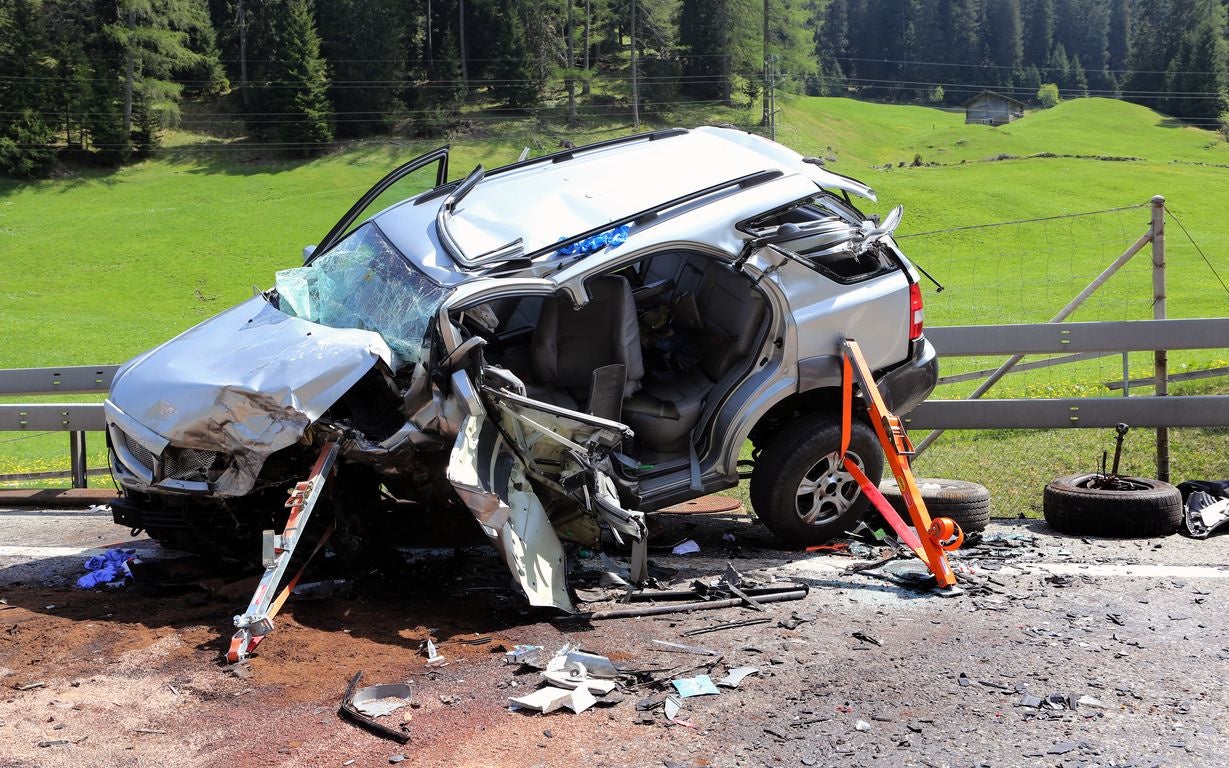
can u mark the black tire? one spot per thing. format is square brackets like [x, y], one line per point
[1150, 508]
[968, 504]
[807, 448]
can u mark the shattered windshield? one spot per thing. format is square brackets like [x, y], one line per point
[364, 282]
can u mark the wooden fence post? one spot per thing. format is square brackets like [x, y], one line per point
[1160, 357]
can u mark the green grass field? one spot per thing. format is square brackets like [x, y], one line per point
[98, 266]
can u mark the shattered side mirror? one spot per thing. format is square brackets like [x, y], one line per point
[308, 250]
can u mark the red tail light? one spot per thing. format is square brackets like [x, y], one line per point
[916, 313]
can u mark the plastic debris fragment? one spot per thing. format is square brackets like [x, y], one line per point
[700, 685]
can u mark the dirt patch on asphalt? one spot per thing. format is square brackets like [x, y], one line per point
[133, 677]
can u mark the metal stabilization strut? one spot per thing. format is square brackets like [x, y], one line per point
[929, 539]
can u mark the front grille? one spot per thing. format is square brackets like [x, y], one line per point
[174, 463]
[187, 463]
[139, 452]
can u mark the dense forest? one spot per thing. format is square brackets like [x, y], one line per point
[99, 80]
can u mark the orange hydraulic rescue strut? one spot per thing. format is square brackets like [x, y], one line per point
[929, 539]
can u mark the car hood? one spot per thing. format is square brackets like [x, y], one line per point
[249, 380]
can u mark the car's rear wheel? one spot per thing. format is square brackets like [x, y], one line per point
[801, 490]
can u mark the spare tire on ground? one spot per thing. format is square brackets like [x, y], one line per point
[1140, 507]
[968, 504]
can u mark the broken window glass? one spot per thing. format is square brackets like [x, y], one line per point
[364, 282]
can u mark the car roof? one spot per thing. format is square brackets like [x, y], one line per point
[545, 200]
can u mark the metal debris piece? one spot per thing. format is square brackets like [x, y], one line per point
[680, 648]
[866, 638]
[550, 698]
[700, 685]
[673, 707]
[1033, 702]
[396, 759]
[795, 619]
[320, 590]
[348, 711]
[523, 654]
[735, 676]
[433, 656]
[595, 665]
[379, 700]
[581, 700]
[731, 576]
[577, 677]
[727, 625]
[1090, 701]
[543, 700]
[28, 686]
[862, 726]
[797, 593]
[964, 680]
[686, 547]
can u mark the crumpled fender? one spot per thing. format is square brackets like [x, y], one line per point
[247, 382]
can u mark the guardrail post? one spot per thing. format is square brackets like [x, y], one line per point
[76, 456]
[1161, 356]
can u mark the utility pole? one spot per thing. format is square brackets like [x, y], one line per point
[426, 43]
[461, 30]
[764, 119]
[772, 96]
[635, 75]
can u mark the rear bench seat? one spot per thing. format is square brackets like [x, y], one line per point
[730, 312]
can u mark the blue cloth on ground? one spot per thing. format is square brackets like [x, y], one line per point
[110, 566]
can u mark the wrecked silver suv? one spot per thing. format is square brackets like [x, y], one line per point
[559, 345]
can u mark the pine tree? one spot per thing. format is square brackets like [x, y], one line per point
[362, 42]
[25, 132]
[1037, 17]
[1003, 48]
[289, 104]
[153, 40]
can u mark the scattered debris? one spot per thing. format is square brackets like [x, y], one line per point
[686, 548]
[727, 625]
[550, 698]
[862, 726]
[379, 700]
[700, 685]
[735, 676]
[348, 711]
[680, 648]
[523, 654]
[866, 638]
[433, 656]
[28, 686]
[794, 621]
[320, 590]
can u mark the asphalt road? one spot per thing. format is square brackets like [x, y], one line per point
[875, 674]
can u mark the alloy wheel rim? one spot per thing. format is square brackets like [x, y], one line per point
[827, 490]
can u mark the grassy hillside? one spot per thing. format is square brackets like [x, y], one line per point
[99, 266]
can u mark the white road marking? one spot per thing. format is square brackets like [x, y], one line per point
[38, 553]
[830, 567]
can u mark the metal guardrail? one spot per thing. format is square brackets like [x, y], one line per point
[1078, 341]
[74, 418]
